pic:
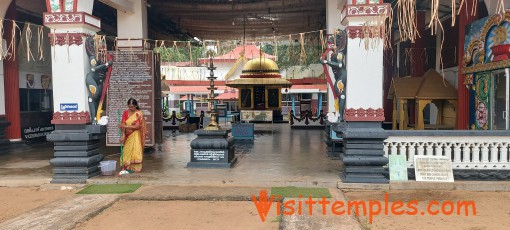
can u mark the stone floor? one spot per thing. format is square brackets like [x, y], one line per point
[281, 157]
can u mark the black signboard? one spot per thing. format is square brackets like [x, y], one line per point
[36, 133]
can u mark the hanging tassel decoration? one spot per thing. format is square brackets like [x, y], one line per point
[302, 54]
[12, 46]
[67, 45]
[474, 8]
[275, 48]
[2, 53]
[454, 11]
[500, 9]
[218, 48]
[321, 36]
[406, 10]
[288, 47]
[40, 43]
[28, 38]
[190, 53]
[54, 44]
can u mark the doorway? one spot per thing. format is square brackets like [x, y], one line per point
[499, 100]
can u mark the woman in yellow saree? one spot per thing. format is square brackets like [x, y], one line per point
[133, 138]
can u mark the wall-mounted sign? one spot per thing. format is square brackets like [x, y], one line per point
[433, 168]
[256, 115]
[398, 167]
[36, 133]
[68, 106]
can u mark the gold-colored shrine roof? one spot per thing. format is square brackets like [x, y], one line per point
[261, 67]
[259, 81]
[430, 86]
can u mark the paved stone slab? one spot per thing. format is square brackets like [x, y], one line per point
[27, 164]
[62, 214]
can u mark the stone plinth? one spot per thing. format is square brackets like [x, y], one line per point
[212, 149]
[4, 142]
[76, 152]
[363, 152]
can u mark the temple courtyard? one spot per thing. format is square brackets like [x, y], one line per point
[177, 197]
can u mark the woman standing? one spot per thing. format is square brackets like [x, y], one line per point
[133, 138]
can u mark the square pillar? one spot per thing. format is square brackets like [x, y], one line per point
[76, 141]
[363, 137]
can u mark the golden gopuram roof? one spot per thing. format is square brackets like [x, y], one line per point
[260, 71]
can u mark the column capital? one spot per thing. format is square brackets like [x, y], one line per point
[361, 13]
[362, 114]
[72, 20]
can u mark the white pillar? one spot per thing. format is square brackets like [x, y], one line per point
[3, 8]
[132, 26]
[70, 62]
[70, 88]
[364, 89]
[333, 21]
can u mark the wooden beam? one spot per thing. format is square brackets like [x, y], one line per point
[125, 6]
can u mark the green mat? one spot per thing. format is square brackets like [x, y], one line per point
[296, 191]
[109, 188]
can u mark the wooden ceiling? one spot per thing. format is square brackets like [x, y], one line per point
[227, 19]
[235, 19]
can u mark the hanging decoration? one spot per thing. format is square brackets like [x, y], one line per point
[500, 8]
[3, 53]
[12, 46]
[28, 38]
[288, 47]
[302, 54]
[406, 11]
[40, 43]
[323, 43]
[373, 32]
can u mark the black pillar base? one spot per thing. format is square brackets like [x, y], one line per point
[363, 152]
[212, 149]
[76, 152]
[4, 142]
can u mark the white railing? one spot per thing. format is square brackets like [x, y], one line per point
[466, 152]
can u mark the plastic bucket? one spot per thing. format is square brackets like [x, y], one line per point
[108, 167]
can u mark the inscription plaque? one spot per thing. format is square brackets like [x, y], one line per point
[433, 168]
[132, 77]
